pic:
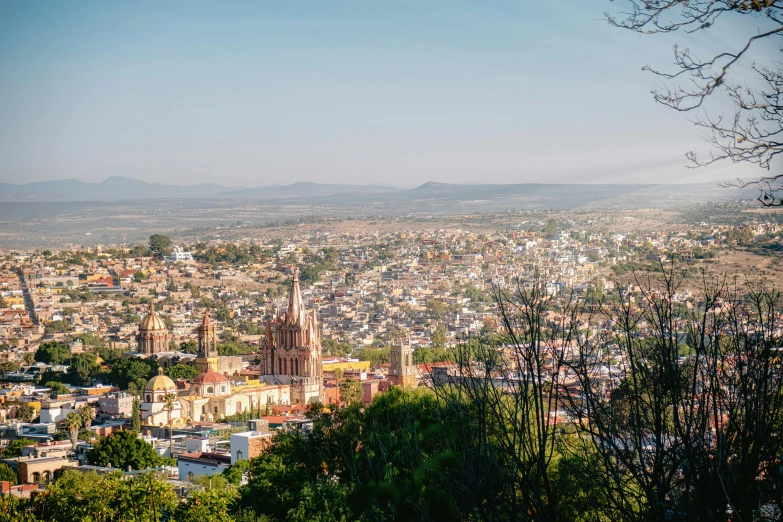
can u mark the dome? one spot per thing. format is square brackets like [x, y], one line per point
[160, 383]
[152, 321]
[210, 377]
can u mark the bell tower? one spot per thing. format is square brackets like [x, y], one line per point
[402, 372]
[207, 346]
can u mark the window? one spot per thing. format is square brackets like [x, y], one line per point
[210, 390]
[216, 410]
[36, 477]
[148, 398]
[223, 389]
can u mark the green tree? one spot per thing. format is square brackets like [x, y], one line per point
[127, 371]
[8, 474]
[169, 402]
[52, 352]
[182, 371]
[14, 448]
[25, 412]
[73, 422]
[57, 388]
[234, 472]
[351, 392]
[160, 244]
[440, 337]
[87, 413]
[124, 449]
[136, 415]
[189, 346]
[376, 356]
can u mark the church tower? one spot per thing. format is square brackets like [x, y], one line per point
[402, 372]
[153, 336]
[290, 351]
[207, 346]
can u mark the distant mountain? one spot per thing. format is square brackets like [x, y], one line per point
[305, 189]
[438, 197]
[111, 189]
[120, 188]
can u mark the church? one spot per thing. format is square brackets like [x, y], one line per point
[290, 367]
[290, 351]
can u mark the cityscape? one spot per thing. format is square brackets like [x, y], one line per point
[349, 294]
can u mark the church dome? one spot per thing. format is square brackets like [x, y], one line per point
[152, 321]
[160, 383]
[210, 377]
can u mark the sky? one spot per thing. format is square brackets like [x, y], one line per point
[394, 92]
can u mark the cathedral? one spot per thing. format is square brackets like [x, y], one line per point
[290, 352]
[289, 362]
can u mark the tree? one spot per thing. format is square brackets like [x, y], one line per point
[189, 346]
[337, 373]
[57, 388]
[52, 352]
[170, 401]
[182, 371]
[127, 371]
[87, 414]
[25, 412]
[73, 422]
[351, 392]
[8, 474]
[439, 337]
[160, 244]
[752, 135]
[124, 449]
[695, 434]
[103, 498]
[236, 471]
[136, 414]
[15, 447]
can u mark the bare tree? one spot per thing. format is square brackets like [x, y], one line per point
[690, 428]
[507, 401]
[754, 133]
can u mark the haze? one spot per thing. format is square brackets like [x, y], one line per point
[398, 93]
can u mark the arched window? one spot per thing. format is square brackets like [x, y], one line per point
[47, 476]
[223, 389]
[210, 390]
[296, 363]
[36, 477]
[148, 398]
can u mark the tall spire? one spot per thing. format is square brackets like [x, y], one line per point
[295, 304]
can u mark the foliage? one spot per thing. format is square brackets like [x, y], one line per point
[124, 449]
[351, 392]
[8, 474]
[14, 448]
[57, 388]
[376, 356]
[25, 412]
[182, 371]
[52, 352]
[127, 371]
[103, 498]
[160, 244]
[73, 422]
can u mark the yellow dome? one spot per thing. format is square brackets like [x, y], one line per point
[160, 383]
[152, 321]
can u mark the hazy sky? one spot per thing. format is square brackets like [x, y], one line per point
[367, 91]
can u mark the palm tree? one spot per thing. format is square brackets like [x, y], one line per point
[169, 401]
[87, 414]
[73, 422]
